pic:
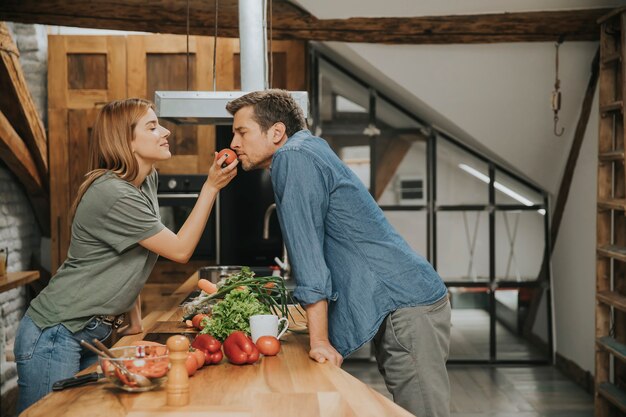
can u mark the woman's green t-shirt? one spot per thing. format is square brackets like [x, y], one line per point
[105, 267]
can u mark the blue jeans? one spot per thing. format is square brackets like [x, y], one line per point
[46, 356]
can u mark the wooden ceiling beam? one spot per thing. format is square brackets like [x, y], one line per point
[293, 23]
[16, 155]
[17, 104]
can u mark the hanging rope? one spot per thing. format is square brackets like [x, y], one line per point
[187, 45]
[271, 78]
[556, 94]
[215, 48]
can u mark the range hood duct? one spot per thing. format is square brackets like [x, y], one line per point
[209, 107]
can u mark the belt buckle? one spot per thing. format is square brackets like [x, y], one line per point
[117, 322]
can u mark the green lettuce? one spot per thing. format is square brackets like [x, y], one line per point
[233, 313]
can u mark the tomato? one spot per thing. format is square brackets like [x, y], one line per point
[123, 378]
[199, 355]
[196, 321]
[154, 369]
[230, 156]
[152, 348]
[191, 364]
[268, 345]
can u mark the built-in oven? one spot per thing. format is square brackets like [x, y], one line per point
[177, 195]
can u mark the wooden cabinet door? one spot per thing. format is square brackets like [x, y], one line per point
[70, 130]
[161, 62]
[84, 72]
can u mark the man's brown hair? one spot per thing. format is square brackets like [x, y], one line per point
[271, 106]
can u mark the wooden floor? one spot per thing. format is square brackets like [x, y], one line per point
[485, 391]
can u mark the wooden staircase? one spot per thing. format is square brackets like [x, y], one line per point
[610, 375]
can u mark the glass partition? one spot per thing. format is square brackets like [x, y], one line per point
[463, 246]
[510, 191]
[344, 103]
[412, 225]
[462, 179]
[469, 334]
[402, 174]
[519, 245]
[514, 340]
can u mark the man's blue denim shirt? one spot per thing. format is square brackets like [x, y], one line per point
[341, 246]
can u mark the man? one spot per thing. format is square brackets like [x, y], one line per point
[355, 276]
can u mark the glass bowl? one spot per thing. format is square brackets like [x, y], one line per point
[151, 362]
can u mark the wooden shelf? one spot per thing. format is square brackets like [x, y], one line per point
[15, 279]
[613, 299]
[611, 107]
[616, 396]
[611, 156]
[611, 345]
[613, 251]
[612, 204]
[611, 305]
[612, 59]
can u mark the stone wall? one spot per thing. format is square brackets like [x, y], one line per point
[19, 231]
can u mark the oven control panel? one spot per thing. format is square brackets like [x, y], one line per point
[180, 183]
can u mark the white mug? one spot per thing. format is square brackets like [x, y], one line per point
[267, 325]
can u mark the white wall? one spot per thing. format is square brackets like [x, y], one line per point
[573, 260]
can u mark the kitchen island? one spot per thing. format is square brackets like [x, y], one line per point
[289, 384]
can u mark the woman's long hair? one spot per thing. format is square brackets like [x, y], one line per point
[110, 146]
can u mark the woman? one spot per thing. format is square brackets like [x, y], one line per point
[117, 237]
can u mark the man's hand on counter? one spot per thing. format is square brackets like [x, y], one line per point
[317, 322]
[324, 351]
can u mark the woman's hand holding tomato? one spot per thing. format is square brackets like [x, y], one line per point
[220, 177]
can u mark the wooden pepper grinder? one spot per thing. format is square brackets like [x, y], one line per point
[177, 379]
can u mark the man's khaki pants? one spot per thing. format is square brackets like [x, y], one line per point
[412, 347]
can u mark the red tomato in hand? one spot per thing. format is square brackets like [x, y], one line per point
[268, 345]
[230, 156]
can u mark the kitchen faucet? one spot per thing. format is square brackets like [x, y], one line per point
[284, 263]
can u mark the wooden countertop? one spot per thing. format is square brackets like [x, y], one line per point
[288, 384]
[15, 279]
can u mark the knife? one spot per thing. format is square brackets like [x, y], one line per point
[76, 381]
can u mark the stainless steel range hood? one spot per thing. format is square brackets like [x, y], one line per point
[208, 107]
[205, 107]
